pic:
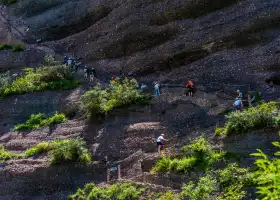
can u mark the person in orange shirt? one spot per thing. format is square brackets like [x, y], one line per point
[190, 87]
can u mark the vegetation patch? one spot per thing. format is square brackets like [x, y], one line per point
[259, 117]
[60, 151]
[119, 191]
[36, 121]
[198, 153]
[8, 2]
[56, 77]
[16, 47]
[120, 93]
[6, 155]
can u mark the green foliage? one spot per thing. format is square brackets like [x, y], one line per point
[119, 191]
[18, 48]
[38, 149]
[100, 101]
[43, 78]
[36, 121]
[268, 175]
[67, 151]
[174, 165]
[233, 192]
[234, 175]
[5, 47]
[198, 153]
[5, 80]
[5, 155]
[169, 195]
[202, 190]
[49, 60]
[8, 2]
[253, 118]
[219, 131]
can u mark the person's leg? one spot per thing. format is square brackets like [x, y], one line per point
[158, 92]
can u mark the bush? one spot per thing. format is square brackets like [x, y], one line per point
[100, 101]
[18, 48]
[5, 155]
[198, 153]
[5, 80]
[219, 131]
[258, 117]
[169, 195]
[8, 2]
[36, 121]
[5, 47]
[67, 151]
[268, 174]
[202, 190]
[234, 175]
[44, 78]
[42, 147]
[119, 191]
[233, 192]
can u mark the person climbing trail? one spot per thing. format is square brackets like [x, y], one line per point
[190, 88]
[160, 143]
[94, 72]
[237, 105]
[65, 59]
[91, 75]
[157, 89]
[240, 95]
[86, 72]
[70, 63]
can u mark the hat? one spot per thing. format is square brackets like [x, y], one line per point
[238, 90]
[162, 134]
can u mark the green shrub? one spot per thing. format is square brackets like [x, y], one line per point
[5, 80]
[119, 191]
[219, 131]
[198, 153]
[202, 190]
[38, 149]
[44, 78]
[205, 155]
[36, 121]
[234, 175]
[100, 101]
[5, 47]
[5, 155]
[233, 192]
[66, 151]
[268, 175]
[169, 195]
[8, 2]
[253, 118]
[18, 48]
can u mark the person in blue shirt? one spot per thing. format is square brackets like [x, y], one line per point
[237, 104]
[65, 59]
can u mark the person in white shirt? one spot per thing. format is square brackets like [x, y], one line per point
[157, 90]
[160, 141]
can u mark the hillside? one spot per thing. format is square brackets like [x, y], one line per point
[221, 45]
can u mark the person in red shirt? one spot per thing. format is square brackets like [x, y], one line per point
[190, 87]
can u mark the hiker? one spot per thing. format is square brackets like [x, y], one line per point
[86, 72]
[157, 90]
[240, 95]
[143, 86]
[65, 59]
[237, 105]
[93, 72]
[269, 85]
[190, 87]
[91, 75]
[70, 62]
[160, 142]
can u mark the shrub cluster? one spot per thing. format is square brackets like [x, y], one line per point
[100, 101]
[36, 121]
[5, 80]
[16, 47]
[261, 116]
[61, 151]
[198, 153]
[120, 191]
[6, 155]
[43, 78]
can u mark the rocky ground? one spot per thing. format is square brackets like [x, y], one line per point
[221, 45]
